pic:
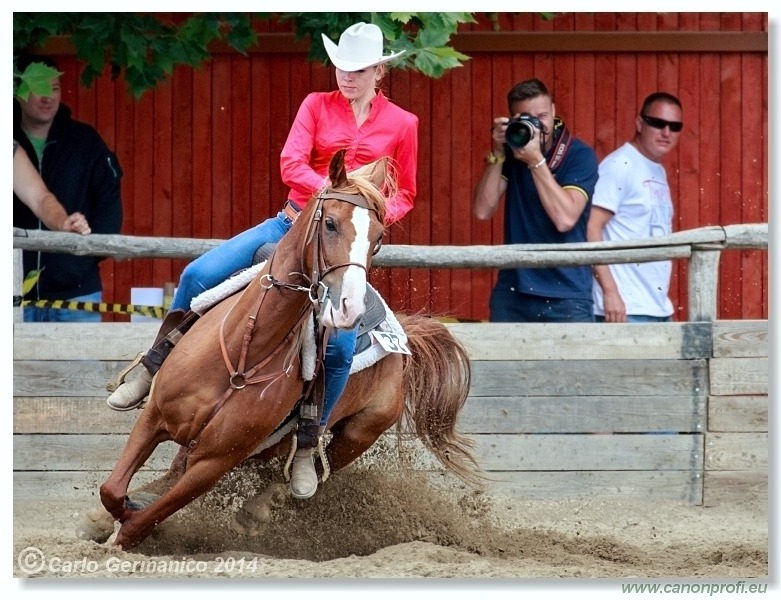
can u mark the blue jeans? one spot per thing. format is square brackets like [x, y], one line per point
[638, 319]
[214, 267]
[65, 315]
[509, 306]
[336, 364]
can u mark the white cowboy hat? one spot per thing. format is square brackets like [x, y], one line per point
[360, 46]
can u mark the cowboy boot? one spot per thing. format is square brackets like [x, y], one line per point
[131, 394]
[303, 476]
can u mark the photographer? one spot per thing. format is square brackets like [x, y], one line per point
[548, 178]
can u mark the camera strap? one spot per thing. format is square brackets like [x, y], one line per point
[561, 143]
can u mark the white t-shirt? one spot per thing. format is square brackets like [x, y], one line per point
[635, 190]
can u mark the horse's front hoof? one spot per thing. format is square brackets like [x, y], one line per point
[246, 523]
[140, 501]
[97, 526]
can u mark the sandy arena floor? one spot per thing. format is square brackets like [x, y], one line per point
[371, 524]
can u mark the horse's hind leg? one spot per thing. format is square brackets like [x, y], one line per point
[353, 435]
[257, 511]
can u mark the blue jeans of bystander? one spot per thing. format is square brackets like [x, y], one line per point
[509, 306]
[65, 315]
[638, 319]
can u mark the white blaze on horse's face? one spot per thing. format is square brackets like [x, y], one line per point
[351, 303]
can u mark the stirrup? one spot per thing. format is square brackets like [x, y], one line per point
[112, 385]
[323, 459]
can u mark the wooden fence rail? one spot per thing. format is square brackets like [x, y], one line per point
[674, 411]
[702, 247]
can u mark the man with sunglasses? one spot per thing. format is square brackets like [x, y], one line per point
[632, 200]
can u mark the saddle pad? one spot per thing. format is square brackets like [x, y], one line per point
[366, 355]
[205, 300]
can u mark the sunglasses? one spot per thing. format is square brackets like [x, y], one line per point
[675, 126]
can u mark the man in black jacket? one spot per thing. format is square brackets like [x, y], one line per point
[84, 175]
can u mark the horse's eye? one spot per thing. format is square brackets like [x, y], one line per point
[377, 246]
[330, 224]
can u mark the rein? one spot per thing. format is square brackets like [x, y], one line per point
[241, 377]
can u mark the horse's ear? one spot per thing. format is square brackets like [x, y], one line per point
[336, 171]
[376, 172]
[379, 172]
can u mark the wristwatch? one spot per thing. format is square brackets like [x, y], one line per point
[493, 159]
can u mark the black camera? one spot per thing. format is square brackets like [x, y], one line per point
[521, 129]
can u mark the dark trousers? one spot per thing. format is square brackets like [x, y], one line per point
[508, 306]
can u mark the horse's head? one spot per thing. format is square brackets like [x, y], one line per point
[351, 214]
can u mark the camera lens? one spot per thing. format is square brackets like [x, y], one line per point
[518, 133]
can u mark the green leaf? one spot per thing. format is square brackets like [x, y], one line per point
[242, 38]
[36, 79]
[22, 91]
[432, 38]
[146, 48]
[433, 64]
[30, 280]
[86, 49]
[135, 49]
[447, 52]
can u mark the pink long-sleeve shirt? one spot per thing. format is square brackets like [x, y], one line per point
[325, 123]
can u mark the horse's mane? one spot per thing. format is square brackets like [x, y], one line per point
[360, 182]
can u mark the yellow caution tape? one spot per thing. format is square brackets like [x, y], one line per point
[32, 277]
[158, 312]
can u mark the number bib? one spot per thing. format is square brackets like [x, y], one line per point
[391, 341]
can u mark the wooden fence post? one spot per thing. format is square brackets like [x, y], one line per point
[169, 287]
[704, 282]
[18, 278]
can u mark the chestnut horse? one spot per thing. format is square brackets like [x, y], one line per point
[237, 375]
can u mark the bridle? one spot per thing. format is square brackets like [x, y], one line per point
[320, 269]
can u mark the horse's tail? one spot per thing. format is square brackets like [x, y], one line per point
[437, 377]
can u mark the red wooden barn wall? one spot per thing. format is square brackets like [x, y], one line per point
[200, 153]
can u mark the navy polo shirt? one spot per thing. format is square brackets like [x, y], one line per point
[526, 222]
